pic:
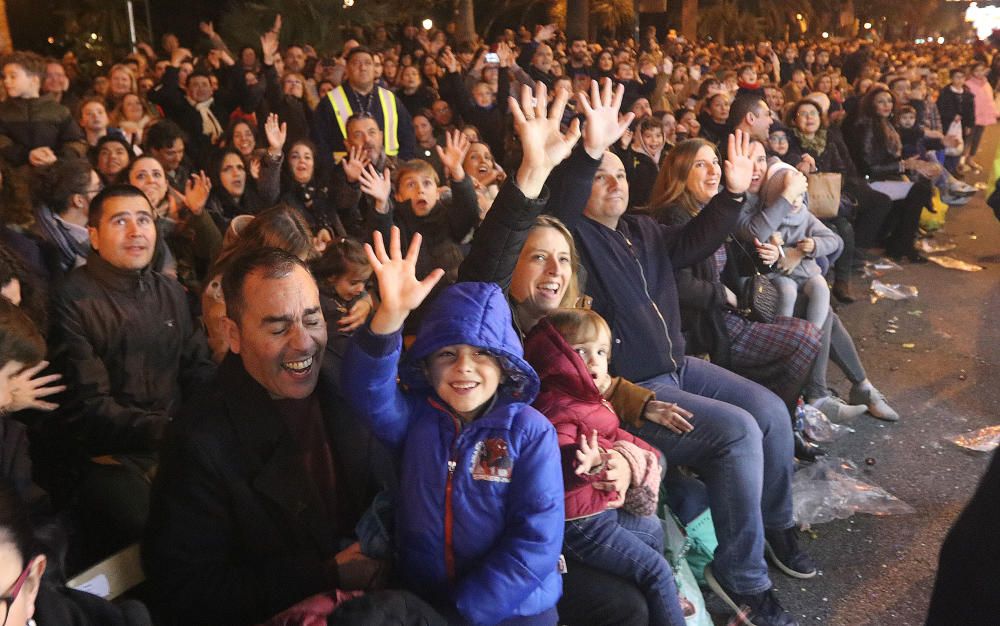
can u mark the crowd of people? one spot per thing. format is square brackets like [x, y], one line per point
[430, 330]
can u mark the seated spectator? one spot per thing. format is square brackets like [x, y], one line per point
[465, 370]
[111, 156]
[242, 137]
[240, 532]
[714, 117]
[486, 175]
[94, 121]
[133, 116]
[124, 339]
[62, 216]
[235, 191]
[778, 355]
[187, 231]
[570, 350]
[166, 143]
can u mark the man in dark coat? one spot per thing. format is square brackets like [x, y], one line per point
[266, 475]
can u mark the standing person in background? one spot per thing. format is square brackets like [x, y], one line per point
[985, 112]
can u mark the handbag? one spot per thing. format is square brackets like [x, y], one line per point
[955, 130]
[758, 299]
[824, 194]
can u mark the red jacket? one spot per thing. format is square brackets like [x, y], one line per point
[572, 402]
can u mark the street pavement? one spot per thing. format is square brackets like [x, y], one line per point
[939, 370]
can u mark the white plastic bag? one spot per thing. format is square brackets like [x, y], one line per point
[955, 130]
[892, 291]
[818, 427]
[829, 489]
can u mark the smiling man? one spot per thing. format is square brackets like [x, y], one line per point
[256, 503]
[124, 339]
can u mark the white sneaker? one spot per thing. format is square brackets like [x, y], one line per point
[838, 410]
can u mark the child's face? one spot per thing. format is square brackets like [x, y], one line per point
[749, 76]
[18, 83]
[595, 354]
[483, 95]
[420, 190]
[907, 120]
[353, 282]
[778, 143]
[465, 377]
[653, 138]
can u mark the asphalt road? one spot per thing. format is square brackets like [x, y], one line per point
[939, 370]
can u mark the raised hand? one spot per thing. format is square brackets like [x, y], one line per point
[603, 124]
[398, 286]
[456, 147]
[269, 47]
[177, 56]
[354, 164]
[739, 166]
[543, 144]
[378, 186]
[669, 415]
[26, 391]
[196, 192]
[207, 28]
[276, 133]
[255, 167]
[545, 33]
[449, 60]
[505, 54]
[589, 455]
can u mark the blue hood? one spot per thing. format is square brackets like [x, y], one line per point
[475, 314]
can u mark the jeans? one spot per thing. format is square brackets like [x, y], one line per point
[742, 441]
[632, 546]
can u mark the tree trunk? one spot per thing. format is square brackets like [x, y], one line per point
[689, 19]
[466, 21]
[578, 18]
[6, 43]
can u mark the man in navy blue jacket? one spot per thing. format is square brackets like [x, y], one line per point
[741, 444]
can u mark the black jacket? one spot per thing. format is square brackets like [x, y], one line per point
[868, 149]
[238, 531]
[127, 348]
[950, 104]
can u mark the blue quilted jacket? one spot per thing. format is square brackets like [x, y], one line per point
[480, 510]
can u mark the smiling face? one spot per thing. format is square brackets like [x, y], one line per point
[243, 139]
[171, 156]
[543, 272]
[807, 119]
[132, 108]
[300, 163]
[126, 234]
[121, 82]
[608, 193]
[759, 159]
[465, 377]
[705, 175]
[147, 174]
[883, 104]
[112, 158]
[479, 162]
[653, 139]
[281, 333]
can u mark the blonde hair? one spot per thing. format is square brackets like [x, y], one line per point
[416, 167]
[578, 325]
[671, 183]
[572, 293]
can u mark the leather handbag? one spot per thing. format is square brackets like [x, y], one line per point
[824, 194]
[758, 299]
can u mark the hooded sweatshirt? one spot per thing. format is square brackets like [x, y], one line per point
[480, 510]
[572, 402]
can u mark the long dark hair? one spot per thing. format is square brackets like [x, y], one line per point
[883, 126]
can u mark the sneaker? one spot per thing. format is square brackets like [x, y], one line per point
[838, 410]
[961, 189]
[868, 395]
[782, 549]
[758, 609]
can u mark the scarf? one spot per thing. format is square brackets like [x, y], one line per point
[210, 125]
[816, 145]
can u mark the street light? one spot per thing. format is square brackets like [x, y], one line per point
[826, 35]
[427, 24]
[868, 25]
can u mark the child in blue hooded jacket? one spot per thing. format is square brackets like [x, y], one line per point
[480, 508]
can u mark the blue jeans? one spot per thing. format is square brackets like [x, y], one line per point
[631, 547]
[742, 441]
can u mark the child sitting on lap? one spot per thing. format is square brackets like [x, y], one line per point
[480, 507]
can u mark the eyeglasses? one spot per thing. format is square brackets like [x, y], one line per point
[8, 600]
[807, 113]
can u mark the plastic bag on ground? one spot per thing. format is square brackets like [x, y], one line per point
[830, 489]
[929, 246]
[818, 427]
[982, 440]
[892, 291]
[954, 264]
[877, 268]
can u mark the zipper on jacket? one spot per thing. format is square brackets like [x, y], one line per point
[645, 289]
[449, 516]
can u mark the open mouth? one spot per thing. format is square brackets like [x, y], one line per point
[298, 368]
[550, 288]
[463, 387]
